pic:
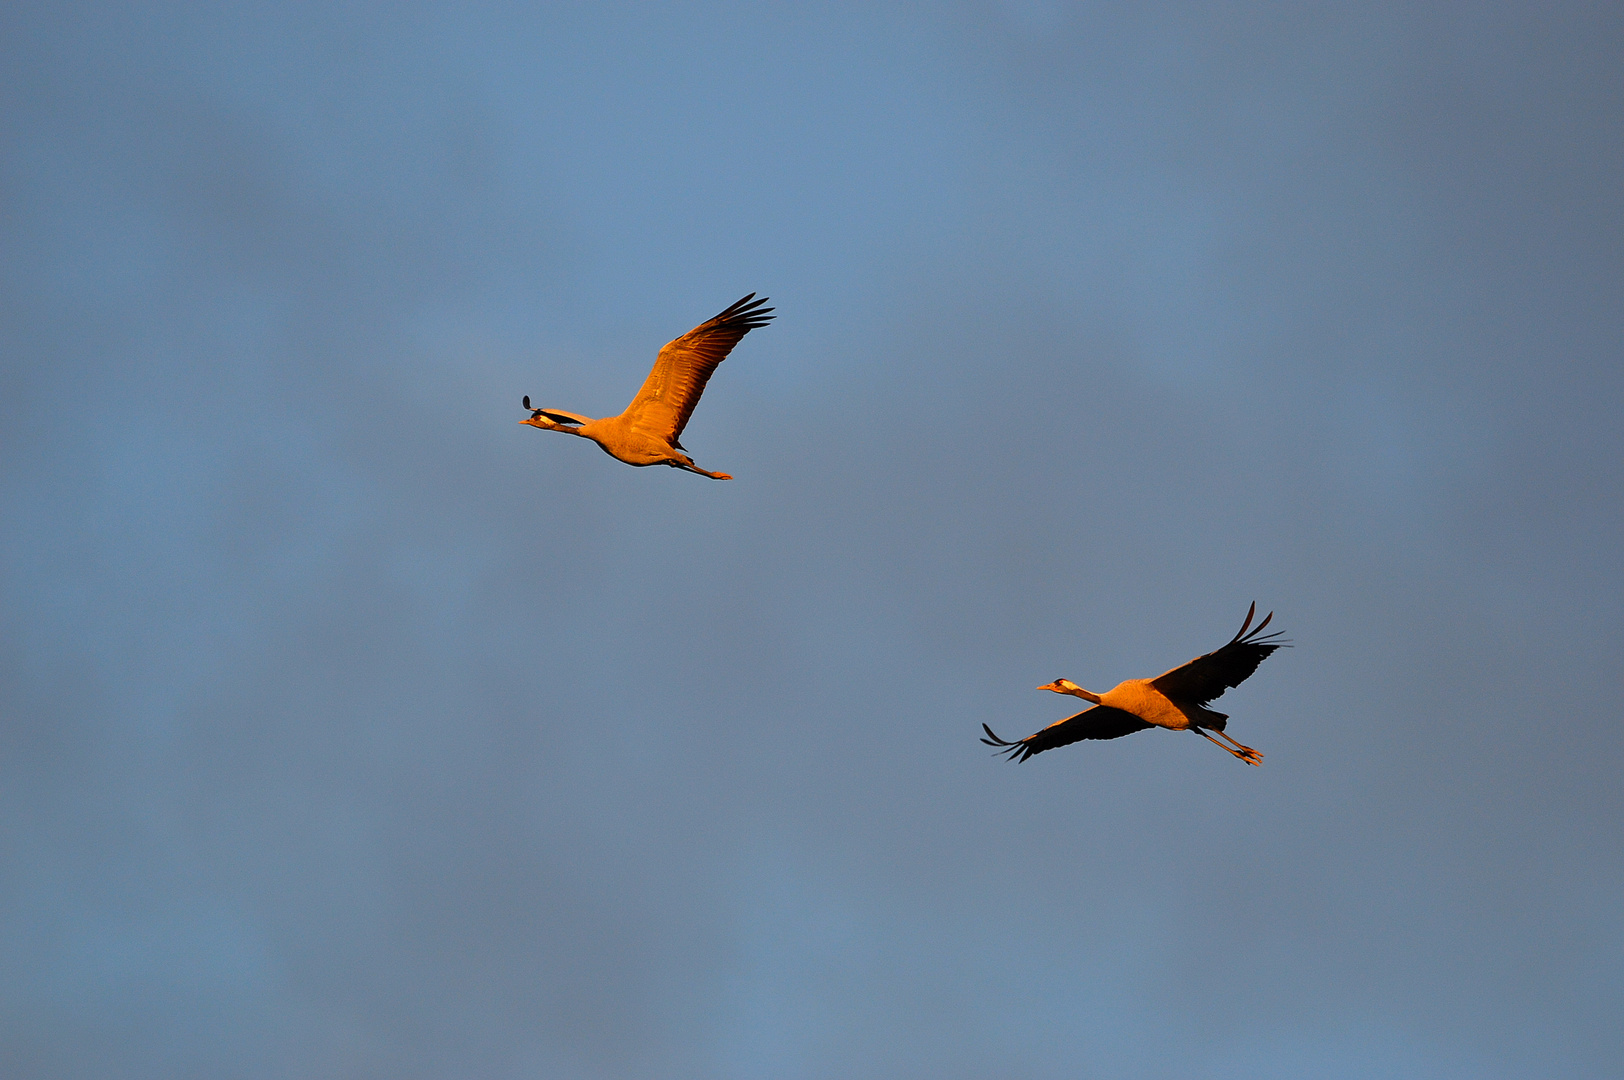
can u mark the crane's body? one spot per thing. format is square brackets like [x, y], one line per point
[622, 439]
[1176, 700]
[647, 432]
[1141, 698]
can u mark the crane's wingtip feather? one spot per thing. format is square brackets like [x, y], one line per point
[1246, 623]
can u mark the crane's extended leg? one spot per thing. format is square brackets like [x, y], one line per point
[1250, 756]
[688, 463]
[1241, 746]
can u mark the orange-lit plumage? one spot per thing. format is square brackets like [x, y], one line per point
[648, 432]
[1175, 700]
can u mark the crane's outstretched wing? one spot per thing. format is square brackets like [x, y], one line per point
[1100, 722]
[1206, 677]
[684, 366]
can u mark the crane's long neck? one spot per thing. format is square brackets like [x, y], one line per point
[1086, 695]
[549, 425]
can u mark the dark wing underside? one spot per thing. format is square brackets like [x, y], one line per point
[684, 366]
[1100, 722]
[1206, 677]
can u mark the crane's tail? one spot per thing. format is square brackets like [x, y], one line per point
[1014, 751]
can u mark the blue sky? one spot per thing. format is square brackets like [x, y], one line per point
[350, 729]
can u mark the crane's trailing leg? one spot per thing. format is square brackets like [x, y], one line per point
[1246, 754]
[687, 463]
[1240, 746]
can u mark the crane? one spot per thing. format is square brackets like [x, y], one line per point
[1176, 700]
[647, 433]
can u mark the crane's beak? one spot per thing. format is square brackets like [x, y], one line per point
[1056, 687]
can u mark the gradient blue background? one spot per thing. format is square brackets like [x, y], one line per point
[350, 729]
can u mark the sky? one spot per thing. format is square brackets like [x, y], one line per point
[349, 729]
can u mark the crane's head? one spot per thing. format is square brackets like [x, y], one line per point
[1066, 686]
[551, 418]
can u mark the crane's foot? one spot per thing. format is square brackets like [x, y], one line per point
[1245, 753]
[1242, 747]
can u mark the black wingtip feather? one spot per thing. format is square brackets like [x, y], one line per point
[1005, 747]
[1249, 613]
[748, 312]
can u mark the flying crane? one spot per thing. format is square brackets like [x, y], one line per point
[647, 433]
[1176, 700]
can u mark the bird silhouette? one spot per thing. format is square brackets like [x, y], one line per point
[1176, 700]
[647, 433]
